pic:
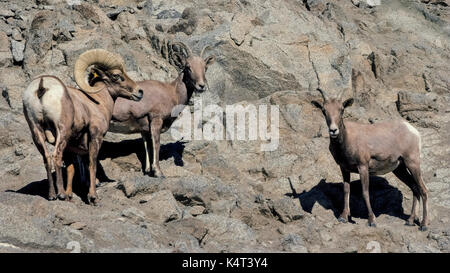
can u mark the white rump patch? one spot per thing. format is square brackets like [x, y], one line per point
[51, 100]
[414, 131]
[49, 106]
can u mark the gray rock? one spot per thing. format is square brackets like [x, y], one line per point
[17, 50]
[115, 13]
[28, 220]
[5, 51]
[16, 35]
[6, 13]
[224, 231]
[286, 209]
[168, 14]
[160, 206]
[293, 243]
[133, 214]
[140, 185]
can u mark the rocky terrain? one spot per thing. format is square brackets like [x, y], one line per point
[229, 196]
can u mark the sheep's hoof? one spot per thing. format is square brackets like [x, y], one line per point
[409, 223]
[372, 224]
[61, 196]
[69, 196]
[342, 220]
[51, 196]
[423, 228]
[92, 199]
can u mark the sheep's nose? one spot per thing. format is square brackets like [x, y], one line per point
[333, 131]
[202, 86]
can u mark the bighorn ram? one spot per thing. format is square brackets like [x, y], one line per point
[74, 120]
[153, 114]
[373, 149]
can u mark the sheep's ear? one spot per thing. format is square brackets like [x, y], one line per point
[348, 103]
[95, 75]
[179, 60]
[210, 60]
[317, 104]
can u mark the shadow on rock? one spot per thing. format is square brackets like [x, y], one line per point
[136, 146]
[40, 188]
[384, 198]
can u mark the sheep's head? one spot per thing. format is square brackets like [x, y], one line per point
[333, 110]
[193, 66]
[106, 70]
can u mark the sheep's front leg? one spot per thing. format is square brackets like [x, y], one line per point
[94, 148]
[364, 176]
[156, 125]
[346, 212]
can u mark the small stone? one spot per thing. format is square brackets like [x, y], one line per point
[16, 35]
[133, 213]
[141, 4]
[293, 243]
[168, 14]
[196, 210]
[78, 225]
[6, 13]
[113, 14]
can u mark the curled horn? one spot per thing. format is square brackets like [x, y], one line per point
[203, 50]
[322, 93]
[183, 46]
[100, 57]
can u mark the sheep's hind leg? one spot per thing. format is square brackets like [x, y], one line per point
[61, 143]
[413, 166]
[38, 138]
[402, 173]
[146, 138]
[364, 175]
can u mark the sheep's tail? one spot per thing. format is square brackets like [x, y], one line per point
[41, 89]
[40, 93]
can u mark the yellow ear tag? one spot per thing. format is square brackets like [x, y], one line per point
[95, 75]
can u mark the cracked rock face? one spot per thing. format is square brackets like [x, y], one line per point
[229, 196]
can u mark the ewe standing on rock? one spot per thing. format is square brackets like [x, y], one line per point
[390, 146]
[153, 115]
[78, 119]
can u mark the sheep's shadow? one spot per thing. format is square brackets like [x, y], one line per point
[40, 187]
[384, 198]
[136, 146]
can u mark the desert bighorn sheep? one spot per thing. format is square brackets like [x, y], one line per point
[75, 120]
[374, 149]
[153, 114]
